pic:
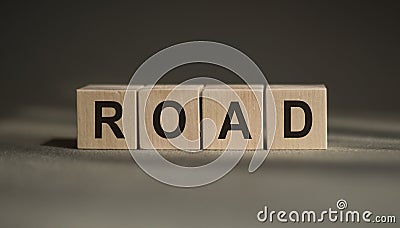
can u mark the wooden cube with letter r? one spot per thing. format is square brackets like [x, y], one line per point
[301, 117]
[99, 115]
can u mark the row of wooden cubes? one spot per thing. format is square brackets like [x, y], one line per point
[194, 117]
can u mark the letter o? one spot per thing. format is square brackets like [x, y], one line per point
[157, 116]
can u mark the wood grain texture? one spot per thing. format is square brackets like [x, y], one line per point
[86, 98]
[188, 96]
[316, 97]
[216, 101]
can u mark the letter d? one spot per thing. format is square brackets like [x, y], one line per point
[262, 215]
[288, 133]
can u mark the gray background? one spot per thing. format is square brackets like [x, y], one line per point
[48, 49]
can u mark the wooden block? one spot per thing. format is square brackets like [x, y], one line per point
[301, 117]
[169, 117]
[99, 115]
[232, 117]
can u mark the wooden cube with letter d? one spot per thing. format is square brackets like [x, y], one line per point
[301, 117]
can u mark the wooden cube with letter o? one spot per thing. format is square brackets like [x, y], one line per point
[169, 117]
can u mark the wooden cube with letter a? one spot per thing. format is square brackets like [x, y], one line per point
[99, 116]
[232, 117]
[169, 117]
[301, 117]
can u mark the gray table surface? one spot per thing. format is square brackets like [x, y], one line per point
[46, 182]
